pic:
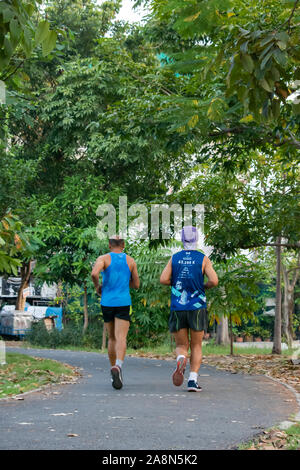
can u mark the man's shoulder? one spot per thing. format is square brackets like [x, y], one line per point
[104, 256]
[130, 260]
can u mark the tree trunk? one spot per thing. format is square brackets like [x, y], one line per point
[85, 308]
[288, 301]
[287, 311]
[222, 332]
[103, 337]
[25, 276]
[277, 323]
[231, 335]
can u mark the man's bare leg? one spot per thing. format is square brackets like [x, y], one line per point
[117, 333]
[195, 360]
[182, 348]
[181, 338]
[121, 331]
[111, 348]
[196, 350]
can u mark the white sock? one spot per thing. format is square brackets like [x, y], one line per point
[193, 376]
[119, 363]
[179, 357]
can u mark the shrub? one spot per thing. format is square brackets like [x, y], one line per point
[148, 327]
[141, 333]
[71, 335]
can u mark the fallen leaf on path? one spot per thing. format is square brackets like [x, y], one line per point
[121, 417]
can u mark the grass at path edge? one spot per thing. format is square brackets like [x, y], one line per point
[23, 373]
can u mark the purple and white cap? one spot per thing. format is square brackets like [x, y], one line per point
[189, 237]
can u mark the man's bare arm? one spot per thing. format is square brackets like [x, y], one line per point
[211, 274]
[98, 267]
[134, 280]
[166, 275]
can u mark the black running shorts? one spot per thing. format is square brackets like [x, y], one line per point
[110, 313]
[196, 320]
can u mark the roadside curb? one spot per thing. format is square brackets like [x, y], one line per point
[21, 396]
[296, 419]
[284, 425]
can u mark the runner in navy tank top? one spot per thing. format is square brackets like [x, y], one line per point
[119, 273]
[185, 273]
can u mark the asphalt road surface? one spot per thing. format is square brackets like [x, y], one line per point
[149, 413]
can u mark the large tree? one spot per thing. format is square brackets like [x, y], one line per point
[240, 64]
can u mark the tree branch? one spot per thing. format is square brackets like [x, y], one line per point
[287, 245]
[269, 139]
[293, 269]
[291, 15]
[14, 71]
[296, 142]
[296, 274]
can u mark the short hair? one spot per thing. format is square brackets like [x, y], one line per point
[116, 241]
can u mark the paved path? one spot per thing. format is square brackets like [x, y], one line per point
[148, 413]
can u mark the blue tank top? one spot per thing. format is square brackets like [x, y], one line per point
[187, 292]
[115, 282]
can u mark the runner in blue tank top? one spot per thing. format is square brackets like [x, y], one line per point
[119, 273]
[185, 274]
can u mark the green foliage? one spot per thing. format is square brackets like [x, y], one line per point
[151, 262]
[236, 294]
[18, 32]
[236, 331]
[149, 326]
[13, 243]
[140, 334]
[112, 126]
[151, 302]
[258, 332]
[246, 209]
[83, 21]
[68, 229]
[74, 310]
[70, 335]
[239, 61]
[15, 172]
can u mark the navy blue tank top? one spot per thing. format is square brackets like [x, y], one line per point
[116, 278]
[187, 282]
